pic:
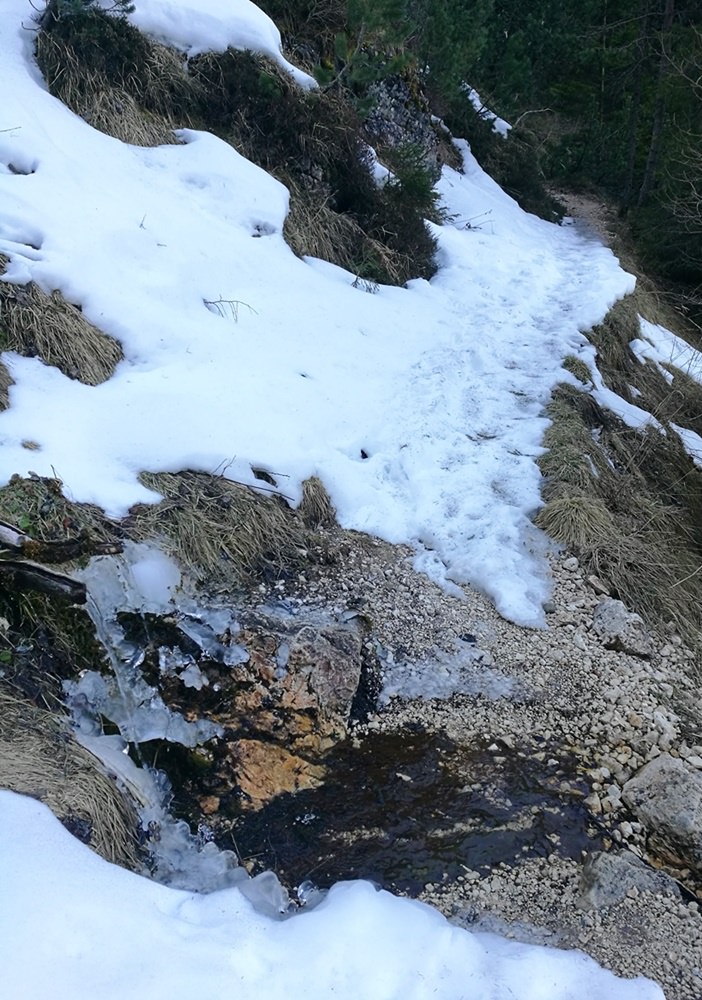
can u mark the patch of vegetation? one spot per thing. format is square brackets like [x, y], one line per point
[220, 530]
[627, 501]
[112, 75]
[311, 141]
[39, 757]
[48, 327]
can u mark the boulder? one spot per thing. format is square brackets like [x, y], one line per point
[620, 629]
[281, 695]
[666, 797]
[608, 878]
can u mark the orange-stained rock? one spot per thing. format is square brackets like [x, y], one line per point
[264, 770]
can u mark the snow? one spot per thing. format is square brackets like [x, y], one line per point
[74, 926]
[664, 348]
[499, 125]
[197, 26]
[291, 368]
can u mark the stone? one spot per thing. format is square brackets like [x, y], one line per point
[598, 585]
[621, 630]
[666, 797]
[264, 770]
[608, 878]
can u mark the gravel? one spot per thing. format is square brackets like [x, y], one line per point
[568, 692]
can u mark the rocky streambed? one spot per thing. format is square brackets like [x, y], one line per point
[357, 721]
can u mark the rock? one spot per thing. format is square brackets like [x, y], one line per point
[666, 797]
[598, 585]
[607, 879]
[571, 564]
[264, 770]
[399, 120]
[621, 630]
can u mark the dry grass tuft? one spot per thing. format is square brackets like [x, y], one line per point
[39, 757]
[116, 79]
[578, 368]
[219, 529]
[116, 113]
[6, 381]
[48, 327]
[313, 229]
[628, 502]
[578, 521]
[316, 508]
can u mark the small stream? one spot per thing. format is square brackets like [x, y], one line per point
[402, 808]
[407, 808]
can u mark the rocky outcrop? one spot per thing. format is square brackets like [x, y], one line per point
[667, 798]
[282, 694]
[398, 120]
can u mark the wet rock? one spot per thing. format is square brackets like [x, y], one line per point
[282, 702]
[264, 770]
[666, 797]
[607, 879]
[620, 629]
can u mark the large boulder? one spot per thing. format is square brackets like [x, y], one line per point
[667, 798]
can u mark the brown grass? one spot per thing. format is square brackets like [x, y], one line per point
[142, 106]
[39, 757]
[6, 381]
[221, 530]
[629, 502]
[37, 324]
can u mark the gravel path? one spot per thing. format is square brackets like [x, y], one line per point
[607, 710]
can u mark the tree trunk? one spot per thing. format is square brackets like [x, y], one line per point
[654, 149]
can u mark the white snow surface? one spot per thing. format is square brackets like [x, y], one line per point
[238, 354]
[197, 26]
[499, 125]
[74, 927]
[663, 347]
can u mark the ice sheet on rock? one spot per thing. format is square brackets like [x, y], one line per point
[176, 856]
[141, 578]
[466, 669]
[135, 707]
[128, 936]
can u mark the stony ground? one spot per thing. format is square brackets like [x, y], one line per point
[608, 710]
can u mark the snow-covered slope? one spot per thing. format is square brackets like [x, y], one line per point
[441, 384]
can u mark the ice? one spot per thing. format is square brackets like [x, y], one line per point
[466, 669]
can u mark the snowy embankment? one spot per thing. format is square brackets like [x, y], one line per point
[238, 354]
[73, 926]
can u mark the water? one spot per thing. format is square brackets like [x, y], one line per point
[404, 809]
